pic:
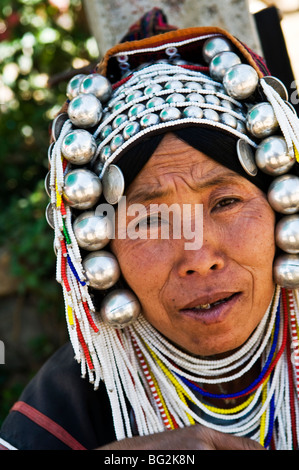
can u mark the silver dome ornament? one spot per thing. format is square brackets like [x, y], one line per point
[211, 115]
[246, 157]
[85, 110]
[116, 142]
[286, 271]
[195, 86]
[117, 105]
[106, 130]
[153, 89]
[261, 121]
[283, 194]
[101, 269]
[212, 99]
[272, 156]
[213, 46]
[175, 98]
[120, 308]
[170, 114]
[240, 81]
[131, 129]
[78, 147]
[105, 153]
[97, 85]
[113, 184]
[287, 234]
[220, 64]
[197, 97]
[82, 188]
[132, 95]
[73, 86]
[173, 85]
[92, 232]
[148, 120]
[155, 101]
[193, 112]
[229, 120]
[136, 109]
[118, 120]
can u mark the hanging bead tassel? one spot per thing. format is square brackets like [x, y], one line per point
[287, 120]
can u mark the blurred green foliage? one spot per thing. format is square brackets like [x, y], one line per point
[38, 40]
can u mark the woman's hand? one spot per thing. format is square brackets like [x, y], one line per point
[195, 437]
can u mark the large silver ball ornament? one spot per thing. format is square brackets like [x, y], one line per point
[240, 81]
[120, 308]
[286, 271]
[220, 64]
[97, 85]
[92, 232]
[101, 269]
[82, 188]
[261, 120]
[85, 110]
[272, 156]
[283, 194]
[213, 46]
[73, 86]
[287, 234]
[78, 147]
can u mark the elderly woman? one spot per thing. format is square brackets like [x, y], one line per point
[173, 202]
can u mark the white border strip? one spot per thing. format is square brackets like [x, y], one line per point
[7, 445]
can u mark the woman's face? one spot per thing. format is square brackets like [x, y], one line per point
[231, 271]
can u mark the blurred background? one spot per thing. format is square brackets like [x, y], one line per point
[41, 44]
[39, 41]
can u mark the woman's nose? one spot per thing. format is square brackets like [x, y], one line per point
[204, 260]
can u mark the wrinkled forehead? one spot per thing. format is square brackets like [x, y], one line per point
[175, 168]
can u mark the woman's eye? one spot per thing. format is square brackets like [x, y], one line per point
[150, 221]
[226, 202]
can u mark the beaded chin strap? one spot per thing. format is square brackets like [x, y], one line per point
[105, 116]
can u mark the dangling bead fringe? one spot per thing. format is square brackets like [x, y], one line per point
[287, 120]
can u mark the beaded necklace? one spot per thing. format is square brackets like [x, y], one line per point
[165, 386]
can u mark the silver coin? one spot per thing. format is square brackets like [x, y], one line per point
[49, 215]
[246, 157]
[47, 184]
[277, 85]
[58, 124]
[113, 184]
[50, 149]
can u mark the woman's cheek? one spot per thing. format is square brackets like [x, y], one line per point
[141, 260]
[252, 240]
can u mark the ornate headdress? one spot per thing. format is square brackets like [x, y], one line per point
[199, 77]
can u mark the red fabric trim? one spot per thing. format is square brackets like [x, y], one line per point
[3, 447]
[48, 424]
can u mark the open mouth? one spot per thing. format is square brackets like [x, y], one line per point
[211, 312]
[213, 304]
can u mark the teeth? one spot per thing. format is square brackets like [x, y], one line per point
[204, 306]
[207, 306]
